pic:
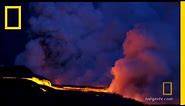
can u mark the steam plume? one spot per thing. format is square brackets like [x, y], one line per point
[148, 61]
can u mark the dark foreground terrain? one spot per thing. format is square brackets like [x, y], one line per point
[19, 91]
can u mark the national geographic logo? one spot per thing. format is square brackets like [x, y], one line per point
[167, 89]
[7, 26]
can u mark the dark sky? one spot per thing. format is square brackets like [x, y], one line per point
[12, 42]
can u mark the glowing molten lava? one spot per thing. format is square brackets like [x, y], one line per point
[86, 89]
[38, 81]
[64, 88]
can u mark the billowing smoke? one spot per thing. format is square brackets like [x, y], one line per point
[148, 61]
[78, 43]
[72, 44]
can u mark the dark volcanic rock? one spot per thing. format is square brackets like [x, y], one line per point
[19, 91]
[15, 71]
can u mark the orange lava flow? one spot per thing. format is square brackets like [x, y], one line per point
[86, 89]
[48, 84]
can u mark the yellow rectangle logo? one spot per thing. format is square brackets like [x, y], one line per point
[18, 27]
[164, 88]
